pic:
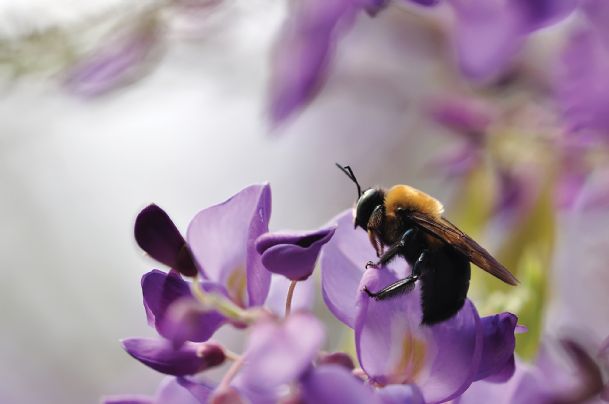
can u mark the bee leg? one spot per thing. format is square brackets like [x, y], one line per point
[402, 286]
[394, 250]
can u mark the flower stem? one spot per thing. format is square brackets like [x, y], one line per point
[222, 305]
[288, 300]
[231, 373]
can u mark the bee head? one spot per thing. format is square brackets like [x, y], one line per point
[368, 202]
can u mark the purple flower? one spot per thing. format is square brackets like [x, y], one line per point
[392, 346]
[582, 84]
[303, 52]
[221, 241]
[279, 352]
[552, 379]
[469, 119]
[488, 33]
[115, 64]
[161, 356]
[173, 310]
[282, 353]
[292, 255]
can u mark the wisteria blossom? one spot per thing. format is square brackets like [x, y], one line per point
[401, 361]
[392, 346]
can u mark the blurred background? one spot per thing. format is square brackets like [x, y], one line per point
[109, 106]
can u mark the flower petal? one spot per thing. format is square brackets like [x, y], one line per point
[537, 14]
[393, 347]
[156, 234]
[161, 356]
[487, 35]
[336, 358]
[335, 384]
[343, 259]
[199, 390]
[400, 394]
[116, 64]
[498, 344]
[222, 240]
[304, 51]
[292, 255]
[173, 311]
[279, 353]
[582, 83]
[303, 298]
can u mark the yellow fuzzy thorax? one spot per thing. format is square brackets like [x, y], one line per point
[409, 198]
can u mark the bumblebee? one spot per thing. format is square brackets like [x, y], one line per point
[406, 222]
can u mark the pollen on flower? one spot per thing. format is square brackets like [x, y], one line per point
[237, 286]
[412, 359]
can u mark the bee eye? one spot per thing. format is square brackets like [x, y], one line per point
[370, 199]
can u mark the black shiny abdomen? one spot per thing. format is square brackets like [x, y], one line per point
[444, 284]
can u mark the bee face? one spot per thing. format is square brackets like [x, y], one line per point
[367, 203]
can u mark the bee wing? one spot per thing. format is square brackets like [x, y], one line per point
[450, 233]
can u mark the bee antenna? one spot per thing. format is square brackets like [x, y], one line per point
[349, 173]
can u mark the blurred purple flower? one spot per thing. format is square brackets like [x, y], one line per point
[582, 83]
[282, 353]
[550, 380]
[221, 240]
[488, 33]
[303, 52]
[115, 64]
[469, 119]
[161, 356]
[172, 390]
[392, 346]
[292, 255]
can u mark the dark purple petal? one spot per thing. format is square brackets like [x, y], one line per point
[343, 260]
[174, 312]
[304, 51]
[393, 347]
[161, 356]
[336, 358]
[488, 33]
[335, 384]
[505, 373]
[303, 298]
[279, 352]
[400, 394]
[156, 234]
[222, 240]
[292, 255]
[582, 83]
[115, 64]
[498, 344]
[537, 14]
